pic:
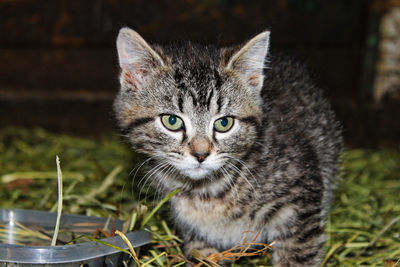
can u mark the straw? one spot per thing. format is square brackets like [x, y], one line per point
[60, 201]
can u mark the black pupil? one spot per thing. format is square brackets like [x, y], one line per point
[224, 122]
[172, 120]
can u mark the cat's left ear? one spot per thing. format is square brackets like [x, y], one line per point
[137, 59]
[249, 60]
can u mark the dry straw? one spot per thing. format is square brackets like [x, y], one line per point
[60, 201]
[245, 249]
[363, 227]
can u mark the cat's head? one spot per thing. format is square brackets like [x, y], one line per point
[195, 109]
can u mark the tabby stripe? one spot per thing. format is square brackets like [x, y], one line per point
[153, 143]
[221, 194]
[305, 215]
[307, 198]
[311, 233]
[273, 211]
[136, 123]
[184, 138]
[209, 99]
[193, 98]
[254, 211]
[178, 76]
[214, 138]
[256, 148]
[310, 156]
[306, 257]
[139, 146]
[250, 120]
[235, 176]
[219, 104]
[205, 196]
[218, 79]
[180, 103]
[270, 212]
[237, 215]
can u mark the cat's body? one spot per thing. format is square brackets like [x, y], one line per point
[255, 156]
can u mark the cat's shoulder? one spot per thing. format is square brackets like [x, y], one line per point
[287, 77]
[288, 69]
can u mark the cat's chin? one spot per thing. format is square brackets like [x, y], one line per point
[193, 170]
[197, 173]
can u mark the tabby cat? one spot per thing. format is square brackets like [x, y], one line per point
[254, 151]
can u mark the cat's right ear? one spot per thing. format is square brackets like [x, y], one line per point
[136, 58]
[249, 60]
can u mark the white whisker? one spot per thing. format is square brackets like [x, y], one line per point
[149, 175]
[161, 179]
[156, 172]
[231, 184]
[247, 168]
[240, 173]
[136, 172]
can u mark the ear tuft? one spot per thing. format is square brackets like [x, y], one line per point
[136, 58]
[249, 61]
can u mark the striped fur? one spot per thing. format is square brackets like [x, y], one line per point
[272, 174]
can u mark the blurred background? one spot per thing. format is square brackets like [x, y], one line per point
[59, 69]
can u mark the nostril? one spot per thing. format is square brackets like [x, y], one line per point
[200, 156]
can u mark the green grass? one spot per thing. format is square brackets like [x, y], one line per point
[363, 228]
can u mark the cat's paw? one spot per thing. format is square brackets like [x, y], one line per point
[210, 255]
[201, 251]
[195, 245]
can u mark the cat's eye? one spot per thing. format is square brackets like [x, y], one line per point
[224, 124]
[172, 122]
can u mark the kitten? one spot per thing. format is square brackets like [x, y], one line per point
[254, 151]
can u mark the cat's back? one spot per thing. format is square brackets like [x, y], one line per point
[289, 89]
[298, 115]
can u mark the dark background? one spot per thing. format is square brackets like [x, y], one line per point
[59, 69]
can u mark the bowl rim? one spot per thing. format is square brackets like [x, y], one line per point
[67, 253]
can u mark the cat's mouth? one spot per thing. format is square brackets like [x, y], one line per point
[194, 170]
[196, 173]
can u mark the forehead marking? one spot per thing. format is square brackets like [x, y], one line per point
[199, 85]
[219, 103]
[209, 99]
[218, 79]
[180, 103]
[194, 98]
[136, 123]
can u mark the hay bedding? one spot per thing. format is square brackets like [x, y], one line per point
[363, 227]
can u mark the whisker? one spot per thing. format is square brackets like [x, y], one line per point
[240, 173]
[172, 173]
[149, 175]
[160, 181]
[231, 185]
[137, 170]
[156, 172]
[150, 172]
[245, 166]
[261, 144]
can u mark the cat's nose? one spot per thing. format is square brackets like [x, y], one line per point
[200, 156]
[200, 148]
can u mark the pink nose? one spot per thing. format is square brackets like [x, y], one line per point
[200, 148]
[200, 156]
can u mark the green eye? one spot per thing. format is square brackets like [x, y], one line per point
[172, 122]
[223, 124]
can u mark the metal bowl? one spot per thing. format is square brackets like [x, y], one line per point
[22, 251]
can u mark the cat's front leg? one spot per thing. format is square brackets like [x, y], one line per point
[194, 247]
[201, 250]
[304, 248]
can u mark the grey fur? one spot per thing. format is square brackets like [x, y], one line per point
[278, 165]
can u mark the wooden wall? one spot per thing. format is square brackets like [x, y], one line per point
[58, 65]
